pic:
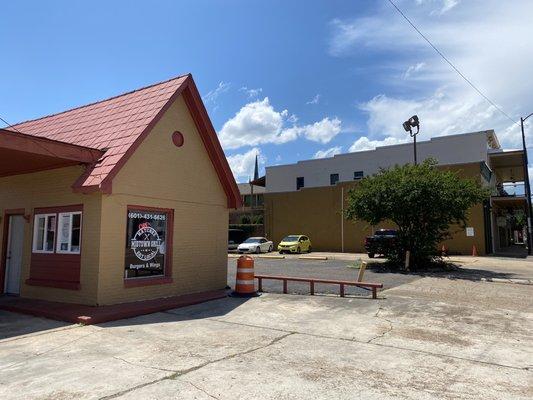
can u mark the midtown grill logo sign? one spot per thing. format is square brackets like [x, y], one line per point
[145, 244]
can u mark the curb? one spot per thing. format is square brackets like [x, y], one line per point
[323, 258]
[514, 281]
[274, 257]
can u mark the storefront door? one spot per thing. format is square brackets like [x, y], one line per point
[14, 254]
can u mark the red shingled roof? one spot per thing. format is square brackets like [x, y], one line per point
[119, 124]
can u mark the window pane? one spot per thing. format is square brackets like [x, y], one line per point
[146, 244]
[50, 233]
[333, 179]
[76, 233]
[358, 175]
[300, 182]
[40, 233]
[64, 231]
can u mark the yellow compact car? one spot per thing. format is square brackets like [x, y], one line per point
[295, 244]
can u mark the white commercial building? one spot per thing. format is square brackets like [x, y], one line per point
[452, 149]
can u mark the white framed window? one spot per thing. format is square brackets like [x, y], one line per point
[69, 232]
[44, 233]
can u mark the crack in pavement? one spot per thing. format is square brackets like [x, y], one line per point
[202, 390]
[353, 340]
[184, 372]
[35, 334]
[50, 350]
[143, 366]
[387, 331]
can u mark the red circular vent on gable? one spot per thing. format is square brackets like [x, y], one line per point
[177, 139]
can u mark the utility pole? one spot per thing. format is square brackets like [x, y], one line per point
[527, 188]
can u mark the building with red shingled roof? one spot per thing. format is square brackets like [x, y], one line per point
[114, 201]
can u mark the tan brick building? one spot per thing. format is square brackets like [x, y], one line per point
[309, 197]
[115, 201]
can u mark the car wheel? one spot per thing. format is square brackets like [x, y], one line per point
[309, 249]
[270, 248]
[257, 250]
[280, 252]
[298, 250]
[370, 255]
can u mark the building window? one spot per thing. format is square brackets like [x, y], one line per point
[44, 232]
[358, 175]
[333, 179]
[260, 200]
[300, 182]
[485, 171]
[69, 232]
[248, 200]
[148, 243]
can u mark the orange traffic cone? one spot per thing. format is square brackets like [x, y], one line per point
[245, 279]
[474, 251]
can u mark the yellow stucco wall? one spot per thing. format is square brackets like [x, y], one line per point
[316, 212]
[161, 175]
[51, 189]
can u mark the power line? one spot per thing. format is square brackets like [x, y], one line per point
[451, 64]
[9, 125]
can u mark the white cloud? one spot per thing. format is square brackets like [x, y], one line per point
[252, 93]
[444, 102]
[212, 96]
[242, 165]
[364, 143]
[328, 152]
[322, 131]
[413, 69]
[259, 123]
[439, 7]
[314, 100]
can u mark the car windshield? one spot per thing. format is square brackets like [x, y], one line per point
[386, 232]
[290, 238]
[251, 240]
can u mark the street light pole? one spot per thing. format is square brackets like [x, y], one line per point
[526, 185]
[414, 145]
[408, 125]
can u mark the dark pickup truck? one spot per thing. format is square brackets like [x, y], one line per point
[380, 242]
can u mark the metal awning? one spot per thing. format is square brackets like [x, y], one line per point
[509, 201]
[20, 153]
[507, 165]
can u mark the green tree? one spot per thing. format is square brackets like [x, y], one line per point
[421, 200]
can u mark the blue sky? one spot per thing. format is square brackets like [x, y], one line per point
[287, 80]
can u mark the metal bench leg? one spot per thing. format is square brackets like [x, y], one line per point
[341, 290]
[260, 284]
[285, 286]
[374, 293]
[312, 287]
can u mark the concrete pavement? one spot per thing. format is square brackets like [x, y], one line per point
[430, 338]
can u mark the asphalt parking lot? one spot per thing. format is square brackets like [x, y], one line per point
[292, 265]
[425, 338]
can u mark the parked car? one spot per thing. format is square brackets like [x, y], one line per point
[235, 237]
[256, 245]
[295, 244]
[380, 242]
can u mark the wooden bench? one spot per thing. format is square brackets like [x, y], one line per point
[342, 284]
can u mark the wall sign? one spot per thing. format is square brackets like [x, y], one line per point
[145, 243]
[469, 231]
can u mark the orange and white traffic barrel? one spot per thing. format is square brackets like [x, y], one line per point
[245, 280]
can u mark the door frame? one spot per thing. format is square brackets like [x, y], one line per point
[5, 238]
